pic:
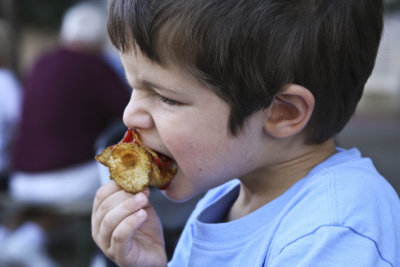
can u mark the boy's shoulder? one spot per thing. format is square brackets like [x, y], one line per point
[345, 195]
[349, 187]
[343, 190]
[342, 210]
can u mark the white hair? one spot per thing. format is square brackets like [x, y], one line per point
[84, 23]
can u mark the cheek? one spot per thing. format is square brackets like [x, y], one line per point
[203, 159]
[189, 153]
[197, 147]
[204, 162]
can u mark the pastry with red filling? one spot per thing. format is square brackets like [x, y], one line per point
[134, 166]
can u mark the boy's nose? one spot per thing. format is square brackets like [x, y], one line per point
[136, 116]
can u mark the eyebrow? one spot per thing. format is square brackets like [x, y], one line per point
[158, 86]
[150, 84]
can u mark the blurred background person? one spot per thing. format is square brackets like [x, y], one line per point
[10, 96]
[71, 96]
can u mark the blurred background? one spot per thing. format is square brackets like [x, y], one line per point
[35, 29]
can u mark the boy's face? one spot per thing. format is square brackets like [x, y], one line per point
[178, 116]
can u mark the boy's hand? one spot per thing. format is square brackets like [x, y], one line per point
[126, 228]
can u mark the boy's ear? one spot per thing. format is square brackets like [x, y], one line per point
[289, 111]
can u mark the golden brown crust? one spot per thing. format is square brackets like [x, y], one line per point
[133, 166]
[161, 176]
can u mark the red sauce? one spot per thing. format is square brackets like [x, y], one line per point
[160, 163]
[128, 137]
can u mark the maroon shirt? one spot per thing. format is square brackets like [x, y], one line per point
[69, 99]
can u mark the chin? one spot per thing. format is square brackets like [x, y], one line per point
[178, 193]
[174, 196]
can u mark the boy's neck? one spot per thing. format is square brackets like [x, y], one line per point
[261, 187]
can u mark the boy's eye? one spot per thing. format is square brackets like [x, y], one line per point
[166, 100]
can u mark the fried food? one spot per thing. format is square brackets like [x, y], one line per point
[134, 166]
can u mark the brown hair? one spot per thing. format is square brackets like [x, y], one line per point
[247, 50]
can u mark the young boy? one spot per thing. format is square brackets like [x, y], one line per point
[254, 90]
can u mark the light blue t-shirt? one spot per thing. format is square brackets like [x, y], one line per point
[343, 213]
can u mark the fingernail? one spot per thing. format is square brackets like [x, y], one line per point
[146, 191]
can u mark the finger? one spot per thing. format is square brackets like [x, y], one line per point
[115, 216]
[103, 192]
[122, 237]
[111, 203]
[105, 206]
[146, 191]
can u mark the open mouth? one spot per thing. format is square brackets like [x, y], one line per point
[134, 166]
[165, 164]
[162, 161]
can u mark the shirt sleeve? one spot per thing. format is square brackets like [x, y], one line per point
[330, 246]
